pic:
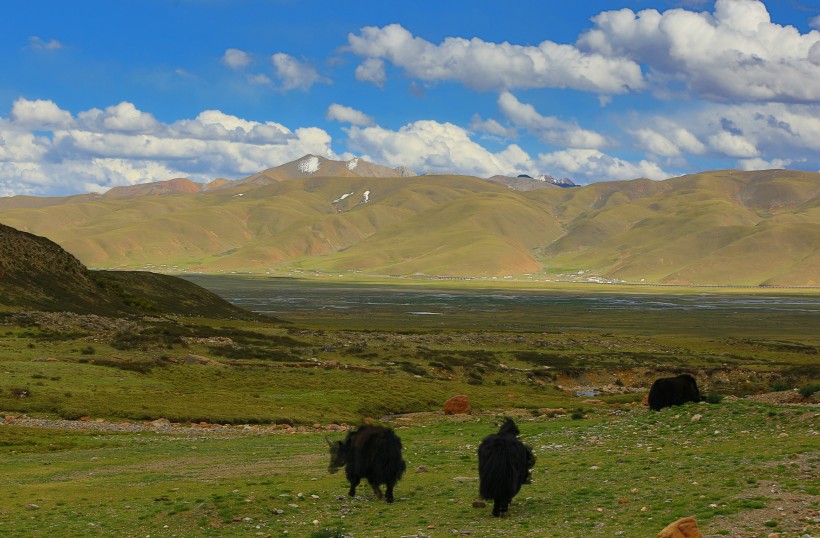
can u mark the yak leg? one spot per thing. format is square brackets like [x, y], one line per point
[389, 494]
[376, 489]
[353, 483]
[496, 507]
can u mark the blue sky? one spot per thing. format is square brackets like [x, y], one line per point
[96, 94]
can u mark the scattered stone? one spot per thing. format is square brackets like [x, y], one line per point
[32, 506]
[685, 527]
[458, 405]
[697, 417]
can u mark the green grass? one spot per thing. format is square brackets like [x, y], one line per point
[593, 477]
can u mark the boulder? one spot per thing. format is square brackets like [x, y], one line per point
[685, 527]
[458, 405]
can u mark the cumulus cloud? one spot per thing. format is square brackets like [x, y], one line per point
[45, 150]
[122, 117]
[734, 53]
[293, 74]
[668, 140]
[548, 128]
[235, 58]
[39, 114]
[732, 145]
[345, 114]
[591, 165]
[814, 22]
[435, 147]
[483, 65]
[372, 70]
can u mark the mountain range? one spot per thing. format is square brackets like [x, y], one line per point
[721, 227]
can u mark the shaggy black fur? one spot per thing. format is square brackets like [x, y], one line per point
[372, 453]
[504, 464]
[669, 391]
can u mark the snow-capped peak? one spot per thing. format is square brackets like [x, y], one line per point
[366, 196]
[352, 164]
[309, 164]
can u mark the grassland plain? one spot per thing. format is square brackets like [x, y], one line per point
[744, 469]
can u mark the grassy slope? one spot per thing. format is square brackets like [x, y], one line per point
[724, 227]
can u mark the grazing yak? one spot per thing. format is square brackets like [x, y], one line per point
[669, 391]
[372, 453]
[504, 464]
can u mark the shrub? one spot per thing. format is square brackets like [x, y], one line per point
[780, 386]
[713, 398]
[577, 415]
[809, 390]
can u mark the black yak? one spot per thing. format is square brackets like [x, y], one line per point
[669, 391]
[504, 464]
[372, 453]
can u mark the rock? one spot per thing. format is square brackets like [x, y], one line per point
[685, 527]
[421, 469]
[697, 417]
[458, 405]
[159, 423]
[32, 506]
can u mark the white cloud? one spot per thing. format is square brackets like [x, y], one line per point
[668, 140]
[372, 70]
[434, 147]
[814, 22]
[548, 128]
[39, 114]
[484, 65]
[235, 58]
[123, 145]
[656, 143]
[492, 127]
[734, 53]
[38, 43]
[761, 164]
[732, 145]
[345, 114]
[122, 117]
[591, 165]
[293, 74]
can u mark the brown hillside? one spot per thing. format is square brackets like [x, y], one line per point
[721, 227]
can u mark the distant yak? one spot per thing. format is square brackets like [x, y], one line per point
[372, 453]
[504, 464]
[669, 391]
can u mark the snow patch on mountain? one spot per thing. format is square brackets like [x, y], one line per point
[309, 165]
[366, 196]
[352, 164]
[342, 197]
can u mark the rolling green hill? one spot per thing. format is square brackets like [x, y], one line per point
[721, 227]
[37, 274]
